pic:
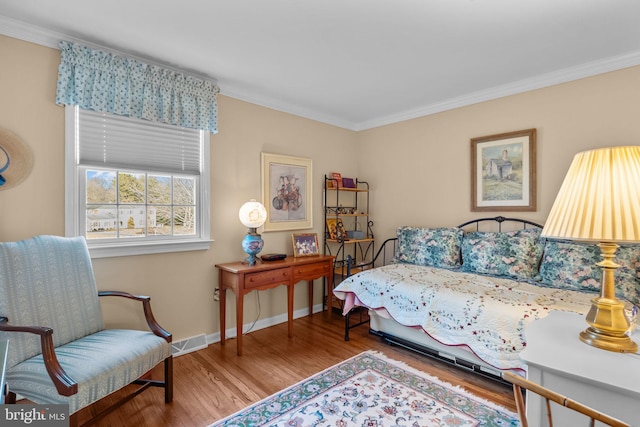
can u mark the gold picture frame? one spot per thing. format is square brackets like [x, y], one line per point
[287, 192]
[503, 172]
[305, 244]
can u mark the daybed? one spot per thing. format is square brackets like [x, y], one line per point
[466, 296]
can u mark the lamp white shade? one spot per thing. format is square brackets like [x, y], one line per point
[599, 199]
[252, 214]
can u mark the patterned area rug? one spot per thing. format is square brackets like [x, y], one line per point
[371, 390]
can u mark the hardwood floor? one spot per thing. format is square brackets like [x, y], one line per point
[212, 383]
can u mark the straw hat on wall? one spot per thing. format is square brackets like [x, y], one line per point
[16, 160]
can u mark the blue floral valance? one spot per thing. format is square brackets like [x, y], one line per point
[101, 81]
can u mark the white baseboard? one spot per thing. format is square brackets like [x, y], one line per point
[201, 341]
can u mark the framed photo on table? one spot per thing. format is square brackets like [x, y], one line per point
[287, 192]
[503, 172]
[305, 244]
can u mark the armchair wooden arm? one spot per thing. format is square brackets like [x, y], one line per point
[65, 385]
[550, 396]
[148, 314]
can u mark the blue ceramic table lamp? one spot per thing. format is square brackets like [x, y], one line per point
[252, 215]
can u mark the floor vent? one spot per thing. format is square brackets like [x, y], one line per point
[188, 345]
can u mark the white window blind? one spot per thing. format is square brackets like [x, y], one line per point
[155, 176]
[114, 141]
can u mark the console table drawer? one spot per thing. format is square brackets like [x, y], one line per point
[271, 277]
[308, 271]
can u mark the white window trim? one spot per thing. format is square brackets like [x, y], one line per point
[127, 247]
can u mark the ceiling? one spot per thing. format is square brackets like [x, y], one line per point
[356, 64]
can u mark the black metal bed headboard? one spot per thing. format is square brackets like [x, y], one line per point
[500, 220]
[389, 247]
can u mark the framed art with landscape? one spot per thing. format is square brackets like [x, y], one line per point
[287, 192]
[503, 172]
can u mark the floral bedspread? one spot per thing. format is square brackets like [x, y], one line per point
[487, 314]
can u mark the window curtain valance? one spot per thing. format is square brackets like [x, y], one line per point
[105, 82]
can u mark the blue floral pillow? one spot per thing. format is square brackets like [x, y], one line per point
[511, 254]
[628, 274]
[434, 247]
[572, 265]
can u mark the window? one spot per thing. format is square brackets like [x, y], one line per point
[135, 186]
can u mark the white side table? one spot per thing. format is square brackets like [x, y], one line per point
[558, 360]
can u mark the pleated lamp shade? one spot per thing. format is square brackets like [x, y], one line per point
[599, 199]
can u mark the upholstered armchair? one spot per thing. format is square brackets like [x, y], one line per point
[59, 349]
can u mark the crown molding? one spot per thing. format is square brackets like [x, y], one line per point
[541, 81]
[538, 82]
[239, 92]
[34, 34]
[30, 33]
[48, 38]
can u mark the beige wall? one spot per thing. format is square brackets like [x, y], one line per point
[180, 284]
[418, 171]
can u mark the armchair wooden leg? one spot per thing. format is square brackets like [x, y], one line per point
[517, 393]
[168, 379]
[11, 398]
[73, 420]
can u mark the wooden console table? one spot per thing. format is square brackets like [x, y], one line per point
[242, 278]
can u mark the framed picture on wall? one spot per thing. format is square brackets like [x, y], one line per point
[287, 192]
[503, 172]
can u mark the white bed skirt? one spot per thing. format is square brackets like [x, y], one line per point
[460, 355]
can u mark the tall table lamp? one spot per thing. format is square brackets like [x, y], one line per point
[252, 215]
[599, 201]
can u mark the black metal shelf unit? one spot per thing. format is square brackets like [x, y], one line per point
[348, 230]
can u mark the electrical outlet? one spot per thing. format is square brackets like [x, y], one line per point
[216, 294]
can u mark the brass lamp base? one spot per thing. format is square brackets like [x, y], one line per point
[618, 344]
[608, 327]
